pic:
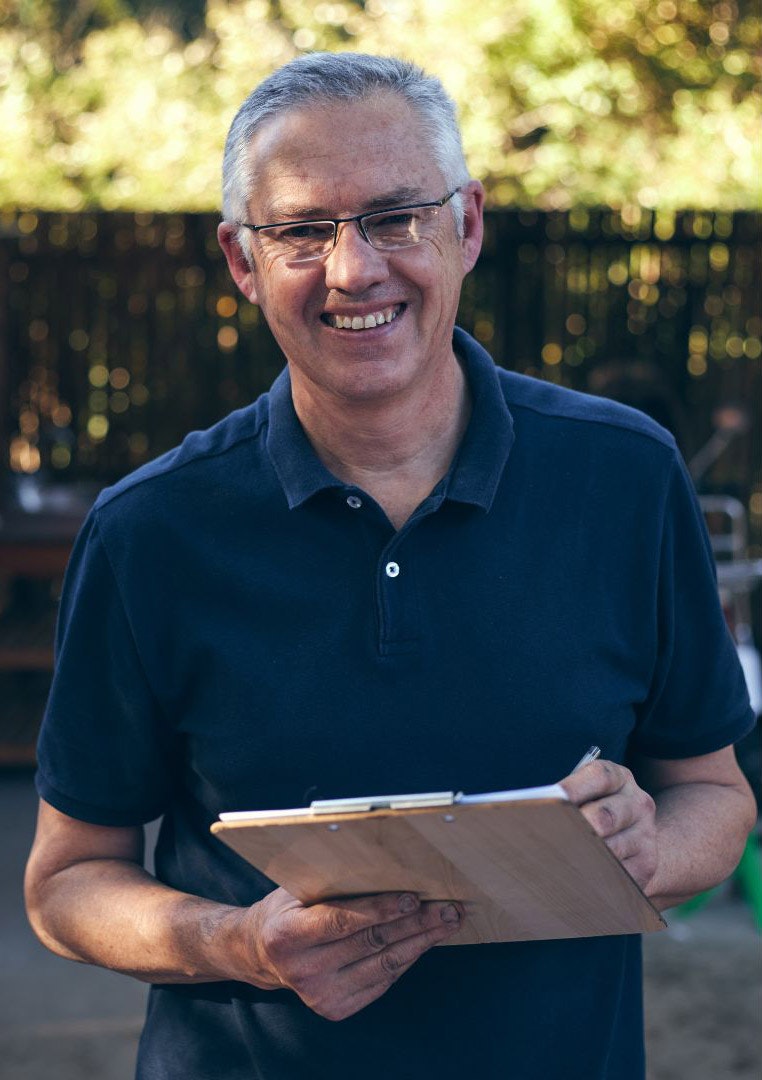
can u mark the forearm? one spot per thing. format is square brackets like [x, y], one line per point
[701, 832]
[337, 957]
[112, 913]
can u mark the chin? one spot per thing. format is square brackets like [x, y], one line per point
[370, 390]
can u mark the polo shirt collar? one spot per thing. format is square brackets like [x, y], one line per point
[299, 469]
[475, 472]
[478, 466]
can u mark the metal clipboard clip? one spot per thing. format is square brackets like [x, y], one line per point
[383, 802]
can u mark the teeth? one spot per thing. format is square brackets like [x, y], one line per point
[367, 322]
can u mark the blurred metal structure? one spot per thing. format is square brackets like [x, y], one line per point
[737, 578]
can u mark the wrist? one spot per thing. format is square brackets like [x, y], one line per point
[228, 941]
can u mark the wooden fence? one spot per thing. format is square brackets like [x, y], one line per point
[121, 332]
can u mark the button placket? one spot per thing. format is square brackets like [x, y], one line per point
[397, 596]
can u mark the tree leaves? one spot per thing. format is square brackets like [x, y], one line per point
[125, 103]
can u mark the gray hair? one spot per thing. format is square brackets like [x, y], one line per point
[325, 77]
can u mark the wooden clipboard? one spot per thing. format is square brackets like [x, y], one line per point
[525, 869]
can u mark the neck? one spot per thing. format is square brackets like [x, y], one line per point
[397, 449]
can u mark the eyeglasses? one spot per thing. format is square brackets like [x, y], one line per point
[385, 230]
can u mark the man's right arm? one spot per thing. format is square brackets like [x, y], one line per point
[89, 899]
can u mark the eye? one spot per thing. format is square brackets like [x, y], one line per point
[307, 230]
[309, 236]
[399, 219]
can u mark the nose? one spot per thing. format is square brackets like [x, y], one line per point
[353, 265]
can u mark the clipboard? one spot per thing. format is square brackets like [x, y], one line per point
[526, 865]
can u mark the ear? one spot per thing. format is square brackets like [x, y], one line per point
[239, 261]
[473, 223]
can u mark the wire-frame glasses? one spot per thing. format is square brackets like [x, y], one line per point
[385, 230]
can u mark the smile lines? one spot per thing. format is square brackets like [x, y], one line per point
[363, 322]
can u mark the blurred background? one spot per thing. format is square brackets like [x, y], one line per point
[619, 144]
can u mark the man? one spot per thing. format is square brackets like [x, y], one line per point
[401, 570]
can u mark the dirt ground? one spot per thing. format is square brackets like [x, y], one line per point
[703, 994]
[703, 988]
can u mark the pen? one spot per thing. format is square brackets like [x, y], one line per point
[591, 755]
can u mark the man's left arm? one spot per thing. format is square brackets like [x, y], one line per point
[677, 826]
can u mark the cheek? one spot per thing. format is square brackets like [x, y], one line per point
[436, 270]
[285, 295]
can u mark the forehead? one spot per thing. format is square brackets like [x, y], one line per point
[341, 158]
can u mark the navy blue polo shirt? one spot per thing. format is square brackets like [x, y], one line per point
[240, 630]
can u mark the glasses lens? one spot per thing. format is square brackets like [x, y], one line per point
[400, 228]
[308, 240]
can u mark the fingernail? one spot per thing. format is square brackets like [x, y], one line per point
[449, 913]
[408, 903]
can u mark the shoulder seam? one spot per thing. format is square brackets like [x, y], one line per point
[207, 455]
[553, 414]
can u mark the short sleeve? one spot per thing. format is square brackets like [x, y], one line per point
[698, 702]
[104, 747]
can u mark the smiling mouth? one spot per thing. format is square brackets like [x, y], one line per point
[362, 322]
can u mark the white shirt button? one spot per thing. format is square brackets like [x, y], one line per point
[354, 502]
[392, 569]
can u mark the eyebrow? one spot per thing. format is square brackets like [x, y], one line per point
[397, 197]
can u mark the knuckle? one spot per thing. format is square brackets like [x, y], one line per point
[606, 818]
[616, 775]
[613, 777]
[392, 963]
[373, 939]
[337, 923]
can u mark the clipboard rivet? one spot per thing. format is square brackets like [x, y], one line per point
[333, 828]
[448, 817]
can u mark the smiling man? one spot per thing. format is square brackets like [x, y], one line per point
[402, 569]
[363, 305]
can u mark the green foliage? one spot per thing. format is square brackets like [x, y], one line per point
[125, 103]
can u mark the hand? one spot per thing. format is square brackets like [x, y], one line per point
[619, 811]
[340, 955]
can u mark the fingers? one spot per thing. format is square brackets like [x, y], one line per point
[608, 796]
[372, 976]
[595, 780]
[627, 843]
[616, 813]
[340, 955]
[335, 920]
[637, 850]
[433, 922]
[361, 981]
[620, 811]
[427, 926]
